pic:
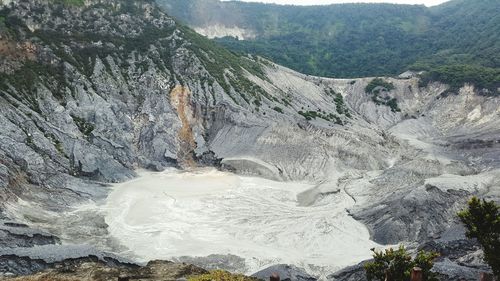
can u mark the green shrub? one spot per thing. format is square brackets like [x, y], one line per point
[390, 102]
[70, 2]
[378, 82]
[57, 143]
[217, 60]
[85, 127]
[340, 105]
[482, 220]
[373, 88]
[29, 140]
[355, 40]
[309, 115]
[457, 75]
[393, 104]
[278, 109]
[286, 102]
[397, 265]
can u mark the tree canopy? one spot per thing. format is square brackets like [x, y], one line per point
[482, 220]
[360, 40]
[396, 265]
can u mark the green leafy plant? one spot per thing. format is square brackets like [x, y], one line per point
[457, 75]
[310, 115]
[378, 82]
[217, 61]
[356, 40]
[85, 127]
[393, 104]
[482, 220]
[340, 105]
[396, 265]
[375, 87]
[278, 109]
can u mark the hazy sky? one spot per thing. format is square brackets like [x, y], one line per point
[324, 2]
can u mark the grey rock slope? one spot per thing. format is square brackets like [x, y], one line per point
[285, 272]
[90, 93]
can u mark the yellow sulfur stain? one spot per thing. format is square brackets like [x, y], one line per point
[180, 100]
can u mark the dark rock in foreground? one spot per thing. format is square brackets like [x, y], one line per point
[286, 272]
[88, 269]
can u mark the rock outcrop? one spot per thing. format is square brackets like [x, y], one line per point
[94, 270]
[91, 92]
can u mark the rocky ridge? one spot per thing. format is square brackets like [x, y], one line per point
[92, 91]
[94, 270]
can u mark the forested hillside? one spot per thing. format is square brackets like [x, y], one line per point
[126, 137]
[356, 40]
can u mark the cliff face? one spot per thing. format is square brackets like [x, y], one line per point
[93, 90]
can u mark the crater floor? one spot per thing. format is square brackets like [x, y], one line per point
[203, 212]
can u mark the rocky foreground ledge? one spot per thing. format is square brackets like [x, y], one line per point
[95, 270]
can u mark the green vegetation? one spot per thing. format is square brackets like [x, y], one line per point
[278, 109]
[11, 26]
[393, 104]
[376, 87]
[378, 82]
[482, 220]
[221, 275]
[69, 2]
[340, 104]
[29, 140]
[26, 79]
[229, 70]
[349, 40]
[360, 40]
[218, 60]
[456, 75]
[397, 265]
[85, 127]
[310, 115]
[57, 144]
[85, 52]
[387, 101]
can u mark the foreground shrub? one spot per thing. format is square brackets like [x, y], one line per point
[396, 265]
[482, 220]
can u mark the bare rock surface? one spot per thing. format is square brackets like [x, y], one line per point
[91, 93]
[93, 270]
[285, 272]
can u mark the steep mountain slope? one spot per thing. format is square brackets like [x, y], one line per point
[93, 90]
[352, 40]
[466, 32]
